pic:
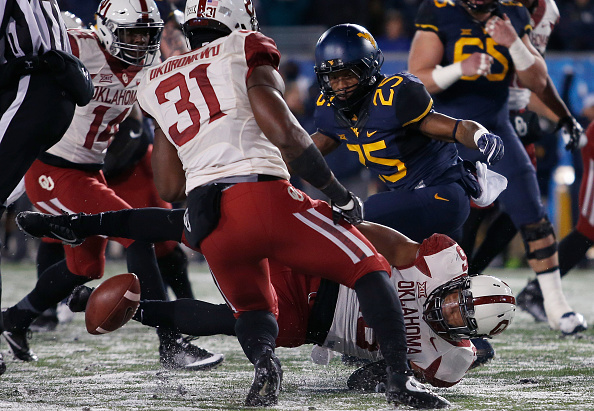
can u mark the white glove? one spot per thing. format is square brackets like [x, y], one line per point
[492, 184]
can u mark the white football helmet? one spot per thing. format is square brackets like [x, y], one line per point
[487, 307]
[222, 16]
[130, 30]
[71, 20]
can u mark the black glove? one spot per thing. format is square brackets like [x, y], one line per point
[352, 211]
[572, 133]
[491, 146]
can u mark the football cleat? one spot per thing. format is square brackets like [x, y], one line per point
[267, 381]
[484, 352]
[403, 388]
[47, 321]
[571, 323]
[530, 299]
[58, 227]
[17, 342]
[77, 300]
[369, 378]
[181, 354]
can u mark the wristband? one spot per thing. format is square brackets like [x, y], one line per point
[446, 76]
[520, 55]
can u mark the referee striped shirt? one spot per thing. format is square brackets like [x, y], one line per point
[31, 27]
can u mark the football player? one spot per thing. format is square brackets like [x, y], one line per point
[388, 121]
[443, 307]
[223, 132]
[467, 52]
[67, 178]
[525, 107]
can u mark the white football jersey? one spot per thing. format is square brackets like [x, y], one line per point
[93, 126]
[544, 17]
[200, 101]
[440, 259]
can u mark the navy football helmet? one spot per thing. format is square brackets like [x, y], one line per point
[348, 47]
[481, 6]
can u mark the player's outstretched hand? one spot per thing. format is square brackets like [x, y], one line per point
[352, 211]
[572, 133]
[491, 146]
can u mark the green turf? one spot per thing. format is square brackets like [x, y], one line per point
[534, 368]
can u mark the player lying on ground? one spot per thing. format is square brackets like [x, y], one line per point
[443, 307]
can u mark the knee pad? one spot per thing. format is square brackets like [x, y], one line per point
[536, 232]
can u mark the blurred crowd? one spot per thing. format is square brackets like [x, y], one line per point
[392, 22]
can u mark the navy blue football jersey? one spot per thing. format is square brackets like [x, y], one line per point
[477, 97]
[386, 138]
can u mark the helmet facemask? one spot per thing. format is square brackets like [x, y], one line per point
[347, 47]
[128, 32]
[439, 299]
[486, 306]
[484, 7]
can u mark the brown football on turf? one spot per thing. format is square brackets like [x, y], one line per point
[112, 304]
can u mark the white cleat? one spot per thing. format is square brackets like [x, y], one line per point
[572, 323]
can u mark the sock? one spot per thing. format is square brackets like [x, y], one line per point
[188, 316]
[146, 224]
[470, 228]
[554, 301]
[48, 254]
[381, 310]
[55, 284]
[174, 270]
[256, 332]
[499, 234]
[141, 260]
[572, 250]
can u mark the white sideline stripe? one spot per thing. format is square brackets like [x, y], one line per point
[587, 205]
[221, 291]
[49, 209]
[132, 296]
[330, 236]
[14, 107]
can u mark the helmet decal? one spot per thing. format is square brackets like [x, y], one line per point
[368, 37]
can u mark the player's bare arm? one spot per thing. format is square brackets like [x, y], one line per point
[265, 87]
[324, 143]
[170, 178]
[529, 64]
[427, 52]
[397, 248]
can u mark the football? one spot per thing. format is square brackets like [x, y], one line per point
[112, 304]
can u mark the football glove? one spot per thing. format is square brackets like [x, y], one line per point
[352, 211]
[491, 146]
[572, 133]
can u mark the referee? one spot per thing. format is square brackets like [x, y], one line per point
[40, 84]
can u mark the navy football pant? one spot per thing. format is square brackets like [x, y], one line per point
[420, 213]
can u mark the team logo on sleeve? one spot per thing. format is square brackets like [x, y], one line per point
[47, 183]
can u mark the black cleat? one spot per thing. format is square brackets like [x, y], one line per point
[2, 364]
[369, 378]
[530, 299]
[267, 381]
[180, 354]
[484, 352]
[47, 321]
[403, 388]
[17, 342]
[77, 300]
[44, 225]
